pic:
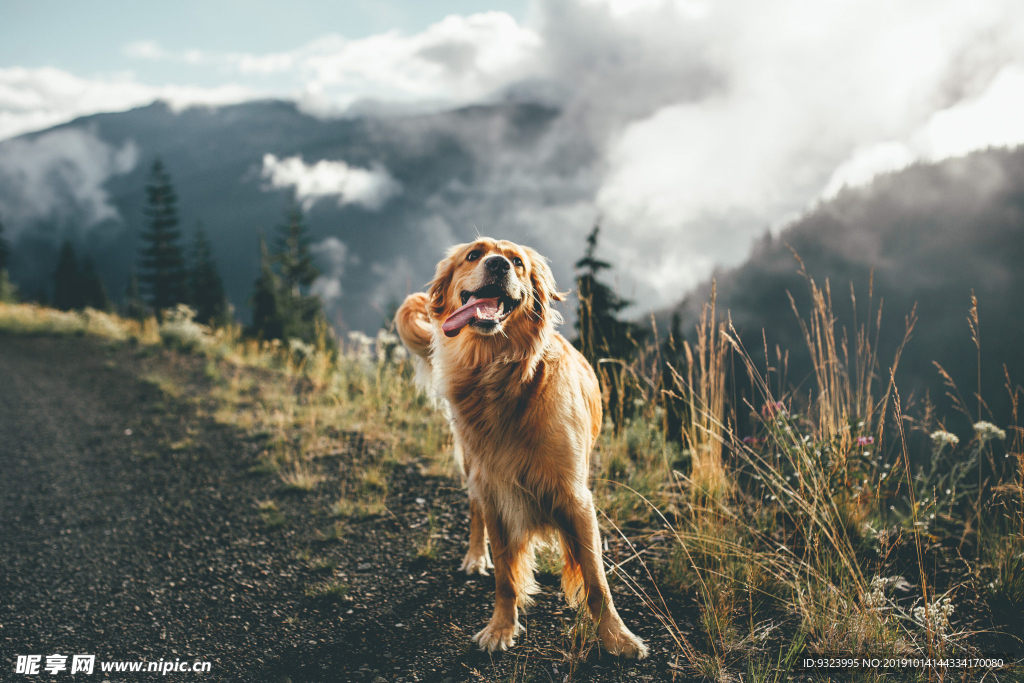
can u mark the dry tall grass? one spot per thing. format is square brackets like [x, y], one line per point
[789, 535]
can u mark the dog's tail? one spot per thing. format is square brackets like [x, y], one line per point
[523, 577]
[413, 325]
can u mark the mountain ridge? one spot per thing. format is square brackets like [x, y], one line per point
[925, 239]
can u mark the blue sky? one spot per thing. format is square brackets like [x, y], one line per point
[89, 38]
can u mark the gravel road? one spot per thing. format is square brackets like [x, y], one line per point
[130, 530]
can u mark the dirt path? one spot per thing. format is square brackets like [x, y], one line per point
[129, 529]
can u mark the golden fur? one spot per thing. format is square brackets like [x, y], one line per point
[525, 411]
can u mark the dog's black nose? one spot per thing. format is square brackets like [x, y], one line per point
[497, 264]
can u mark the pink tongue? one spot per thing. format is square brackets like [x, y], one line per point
[476, 308]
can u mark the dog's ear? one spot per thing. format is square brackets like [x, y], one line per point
[438, 294]
[544, 289]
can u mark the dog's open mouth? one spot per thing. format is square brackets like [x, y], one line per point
[485, 308]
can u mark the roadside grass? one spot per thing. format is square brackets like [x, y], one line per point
[427, 548]
[162, 383]
[806, 522]
[331, 590]
[819, 531]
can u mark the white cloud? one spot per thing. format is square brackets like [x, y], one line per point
[456, 60]
[810, 96]
[867, 163]
[145, 49]
[369, 188]
[332, 257]
[460, 58]
[59, 176]
[33, 99]
[993, 119]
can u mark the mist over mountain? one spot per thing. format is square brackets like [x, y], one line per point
[930, 234]
[384, 195]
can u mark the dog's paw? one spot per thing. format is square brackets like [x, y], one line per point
[476, 564]
[497, 636]
[620, 641]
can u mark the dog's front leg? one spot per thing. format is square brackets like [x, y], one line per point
[508, 555]
[477, 560]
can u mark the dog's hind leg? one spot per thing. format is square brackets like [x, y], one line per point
[511, 579]
[477, 561]
[583, 576]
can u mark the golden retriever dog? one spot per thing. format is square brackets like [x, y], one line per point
[525, 409]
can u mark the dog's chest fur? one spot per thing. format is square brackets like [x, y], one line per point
[520, 446]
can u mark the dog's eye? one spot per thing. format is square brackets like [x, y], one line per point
[473, 255]
[517, 262]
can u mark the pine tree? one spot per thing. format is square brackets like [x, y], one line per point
[161, 262]
[8, 292]
[299, 310]
[600, 333]
[205, 287]
[5, 251]
[293, 257]
[67, 280]
[283, 308]
[94, 292]
[267, 320]
[134, 307]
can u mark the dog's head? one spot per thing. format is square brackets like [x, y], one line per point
[490, 287]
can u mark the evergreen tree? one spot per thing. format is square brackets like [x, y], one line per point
[205, 287]
[267, 321]
[135, 308]
[5, 250]
[161, 262]
[293, 257]
[94, 293]
[8, 292]
[283, 308]
[67, 280]
[600, 334]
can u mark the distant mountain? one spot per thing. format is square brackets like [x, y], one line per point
[449, 174]
[931, 234]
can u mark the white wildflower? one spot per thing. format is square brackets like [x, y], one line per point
[300, 349]
[875, 596]
[360, 346]
[935, 617]
[987, 431]
[388, 348]
[180, 331]
[942, 438]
